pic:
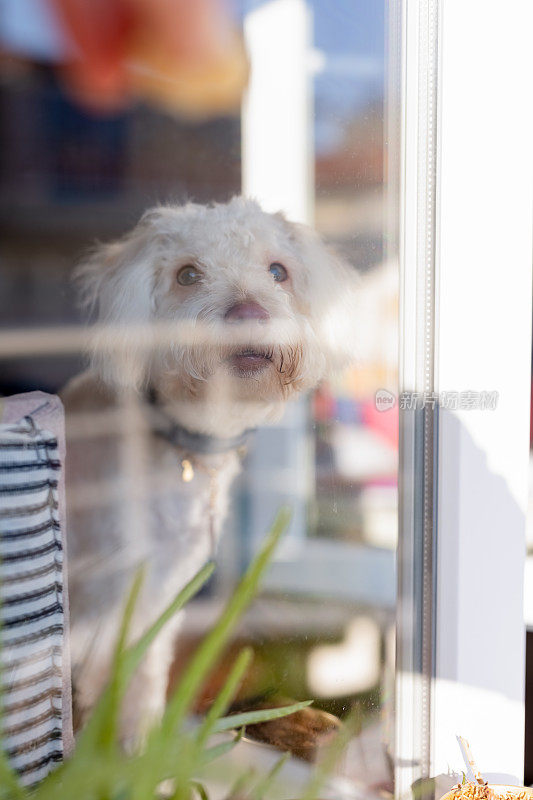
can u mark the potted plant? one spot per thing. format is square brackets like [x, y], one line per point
[174, 754]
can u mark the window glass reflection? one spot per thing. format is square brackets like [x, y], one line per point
[322, 627]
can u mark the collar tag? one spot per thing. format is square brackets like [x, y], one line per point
[187, 471]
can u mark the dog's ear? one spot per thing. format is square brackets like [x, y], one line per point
[116, 285]
[333, 293]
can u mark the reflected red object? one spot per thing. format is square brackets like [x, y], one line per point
[384, 423]
[324, 405]
[99, 30]
[159, 48]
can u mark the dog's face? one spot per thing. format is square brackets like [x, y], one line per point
[241, 305]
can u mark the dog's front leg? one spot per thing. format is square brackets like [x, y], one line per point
[144, 703]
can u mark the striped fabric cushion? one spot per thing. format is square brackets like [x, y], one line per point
[31, 587]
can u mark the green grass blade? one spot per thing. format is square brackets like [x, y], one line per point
[203, 661]
[225, 696]
[242, 781]
[135, 653]
[254, 717]
[180, 760]
[206, 655]
[118, 683]
[269, 779]
[332, 754]
[99, 774]
[176, 761]
[219, 750]
[100, 770]
[200, 789]
[10, 786]
[74, 772]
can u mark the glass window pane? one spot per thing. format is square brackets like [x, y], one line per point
[313, 141]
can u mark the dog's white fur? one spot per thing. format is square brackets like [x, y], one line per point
[175, 338]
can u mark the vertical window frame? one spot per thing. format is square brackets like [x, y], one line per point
[443, 687]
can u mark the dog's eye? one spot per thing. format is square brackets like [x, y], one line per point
[278, 272]
[188, 275]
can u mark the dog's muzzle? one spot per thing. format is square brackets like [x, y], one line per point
[251, 360]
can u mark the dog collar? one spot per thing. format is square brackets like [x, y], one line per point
[191, 441]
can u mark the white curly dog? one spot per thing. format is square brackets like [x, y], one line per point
[209, 319]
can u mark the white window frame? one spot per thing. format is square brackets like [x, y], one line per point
[465, 248]
[466, 190]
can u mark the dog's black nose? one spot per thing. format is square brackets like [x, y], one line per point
[244, 311]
